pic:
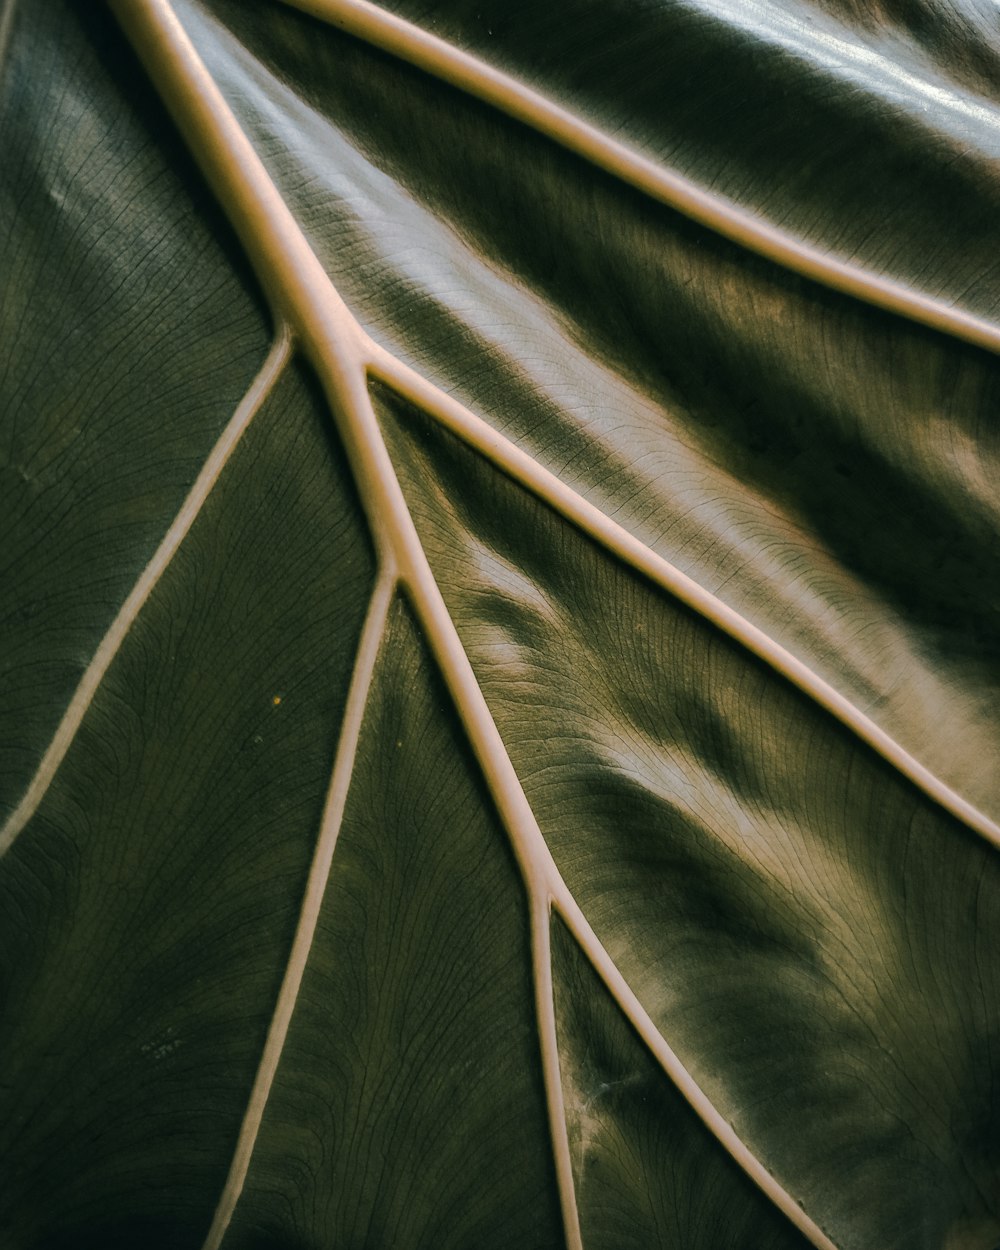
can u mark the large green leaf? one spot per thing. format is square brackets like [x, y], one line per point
[499, 681]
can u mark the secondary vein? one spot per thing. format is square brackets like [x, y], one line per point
[435, 56]
[117, 632]
[319, 872]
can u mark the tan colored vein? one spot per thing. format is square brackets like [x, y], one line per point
[319, 872]
[468, 73]
[545, 1009]
[619, 989]
[526, 471]
[544, 881]
[339, 352]
[110, 644]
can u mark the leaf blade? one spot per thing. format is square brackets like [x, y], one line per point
[445, 283]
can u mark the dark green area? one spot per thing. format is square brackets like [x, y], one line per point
[649, 1175]
[817, 941]
[129, 330]
[147, 911]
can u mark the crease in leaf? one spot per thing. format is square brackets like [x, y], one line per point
[597, 525]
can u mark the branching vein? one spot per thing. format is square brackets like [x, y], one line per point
[633, 1010]
[110, 644]
[544, 485]
[339, 352]
[468, 73]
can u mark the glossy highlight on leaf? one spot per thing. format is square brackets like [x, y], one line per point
[498, 676]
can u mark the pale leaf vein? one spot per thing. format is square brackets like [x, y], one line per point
[319, 872]
[117, 632]
[468, 73]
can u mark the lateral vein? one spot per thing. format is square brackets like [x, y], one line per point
[416, 46]
[319, 872]
[633, 1010]
[117, 632]
[541, 959]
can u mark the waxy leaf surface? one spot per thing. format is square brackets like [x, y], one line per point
[499, 679]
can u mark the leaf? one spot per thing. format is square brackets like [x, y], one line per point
[499, 680]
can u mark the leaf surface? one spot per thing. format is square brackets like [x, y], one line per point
[500, 659]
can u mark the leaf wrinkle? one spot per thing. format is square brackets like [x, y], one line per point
[493, 447]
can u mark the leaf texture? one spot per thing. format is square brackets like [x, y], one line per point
[499, 671]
